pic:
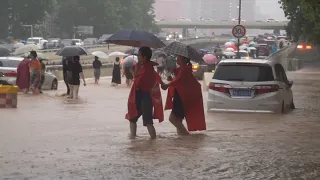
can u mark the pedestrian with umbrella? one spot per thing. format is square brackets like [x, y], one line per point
[186, 101]
[35, 72]
[23, 75]
[145, 95]
[128, 66]
[73, 68]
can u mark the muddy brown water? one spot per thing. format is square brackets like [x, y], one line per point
[50, 137]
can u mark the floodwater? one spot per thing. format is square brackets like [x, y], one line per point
[49, 137]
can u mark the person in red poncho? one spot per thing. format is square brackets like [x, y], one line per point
[185, 99]
[145, 95]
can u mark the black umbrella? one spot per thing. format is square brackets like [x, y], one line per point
[179, 49]
[4, 52]
[136, 38]
[72, 51]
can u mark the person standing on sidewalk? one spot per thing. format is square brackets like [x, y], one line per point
[65, 72]
[73, 76]
[96, 69]
[145, 95]
[42, 73]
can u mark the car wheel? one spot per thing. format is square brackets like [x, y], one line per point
[292, 105]
[54, 85]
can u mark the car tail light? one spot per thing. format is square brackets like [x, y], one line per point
[300, 46]
[11, 74]
[195, 67]
[263, 89]
[224, 88]
[308, 47]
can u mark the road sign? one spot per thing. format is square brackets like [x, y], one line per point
[88, 30]
[239, 31]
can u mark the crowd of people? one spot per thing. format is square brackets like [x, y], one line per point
[31, 74]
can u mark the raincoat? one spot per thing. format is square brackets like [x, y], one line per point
[189, 89]
[23, 74]
[147, 76]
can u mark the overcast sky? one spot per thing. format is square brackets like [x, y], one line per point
[271, 9]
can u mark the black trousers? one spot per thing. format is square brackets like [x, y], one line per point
[67, 84]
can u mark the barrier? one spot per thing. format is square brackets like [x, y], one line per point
[207, 76]
[8, 96]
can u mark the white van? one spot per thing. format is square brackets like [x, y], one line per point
[39, 41]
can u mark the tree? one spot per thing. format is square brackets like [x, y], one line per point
[304, 19]
[28, 12]
[107, 16]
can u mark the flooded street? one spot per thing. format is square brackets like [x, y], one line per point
[50, 137]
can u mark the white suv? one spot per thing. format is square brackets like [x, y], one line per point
[250, 86]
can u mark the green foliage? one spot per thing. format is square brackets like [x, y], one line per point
[304, 16]
[107, 16]
[15, 13]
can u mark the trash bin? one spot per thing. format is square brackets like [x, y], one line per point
[8, 96]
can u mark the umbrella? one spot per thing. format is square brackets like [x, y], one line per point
[25, 49]
[136, 38]
[233, 40]
[100, 54]
[130, 61]
[179, 49]
[269, 38]
[133, 51]
[243, 47]
[229, 50]
[252, 48]
[228, 44]
[229, 53]
[117, 53]
[210, 58]
[72, 51]
[158, 53]
[4, 51]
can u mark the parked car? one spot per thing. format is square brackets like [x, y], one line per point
[53, 43]
[271, 20]
[77, 42]
[8, 67]
[90, 41]
[237, 20]
[250, 86]
[39, 41]
[65, 42]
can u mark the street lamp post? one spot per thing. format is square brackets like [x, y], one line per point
[31, 29]
[239, 22]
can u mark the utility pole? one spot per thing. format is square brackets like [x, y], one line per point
[239, 22]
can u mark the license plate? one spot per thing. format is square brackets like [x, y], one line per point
[241, 93]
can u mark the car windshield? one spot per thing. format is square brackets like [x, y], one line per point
[9, 63]
[244, 72]
[66, 41]
[76, 41]
[33, 40]
[243, 54]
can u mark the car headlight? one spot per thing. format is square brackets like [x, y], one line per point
[180, 36]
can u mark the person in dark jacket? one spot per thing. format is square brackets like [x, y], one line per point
[65, 73]
[96, 69]
[116, 74]
[74, 75]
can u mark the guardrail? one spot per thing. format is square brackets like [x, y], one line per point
[106, 45]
